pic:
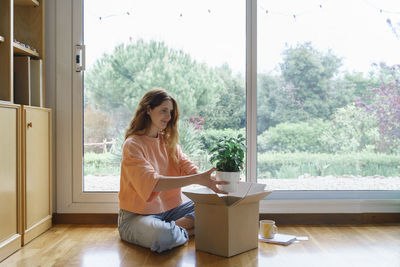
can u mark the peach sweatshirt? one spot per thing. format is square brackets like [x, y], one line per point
[144, 159]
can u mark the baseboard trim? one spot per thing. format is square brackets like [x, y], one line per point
[301, 218]
[9, 246]
[85, 218]
[37, 229]
[334, 218]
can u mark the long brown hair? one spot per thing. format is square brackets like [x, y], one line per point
[141, 121]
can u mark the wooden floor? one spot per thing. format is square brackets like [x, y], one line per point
[100, 245]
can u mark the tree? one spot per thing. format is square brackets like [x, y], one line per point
[309, 88]
[384, 103]
[360, 83]
[116, 82]
[308, 74]
[230, 106]
[96, 125]
[268, 98]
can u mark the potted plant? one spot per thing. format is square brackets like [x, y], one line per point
[228, 157]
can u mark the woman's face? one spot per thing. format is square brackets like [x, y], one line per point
[161, 115]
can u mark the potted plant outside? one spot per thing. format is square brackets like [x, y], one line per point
[228, 158]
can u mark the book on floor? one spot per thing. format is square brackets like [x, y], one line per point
[281, 239]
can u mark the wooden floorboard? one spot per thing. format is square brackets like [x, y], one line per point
[328, 245]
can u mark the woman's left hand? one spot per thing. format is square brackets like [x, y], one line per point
[207, 179]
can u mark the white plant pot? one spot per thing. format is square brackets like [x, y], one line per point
[232, 177]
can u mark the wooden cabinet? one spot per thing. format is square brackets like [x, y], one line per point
[10, 208]
[25, 175]
[36, 171]
[25, 143]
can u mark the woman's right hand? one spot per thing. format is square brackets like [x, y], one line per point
[207, 179]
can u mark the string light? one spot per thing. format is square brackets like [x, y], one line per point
[321, 5]
[294, 15]
[381, 10]
[268, 11]
[115, 15]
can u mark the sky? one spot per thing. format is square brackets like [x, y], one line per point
[213, 31]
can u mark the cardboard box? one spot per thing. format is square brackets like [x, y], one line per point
[227, 225]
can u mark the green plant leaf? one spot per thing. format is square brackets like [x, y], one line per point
[228, 153]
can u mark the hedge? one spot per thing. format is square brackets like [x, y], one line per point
[292, 165]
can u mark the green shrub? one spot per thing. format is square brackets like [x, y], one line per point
[293, 137]
[189, 139]
[352, 129]
[292, 165]
[192, 146]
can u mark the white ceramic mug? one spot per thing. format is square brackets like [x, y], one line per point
[232, 177]
[268, 229]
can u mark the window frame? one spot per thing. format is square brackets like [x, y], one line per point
[65, 98]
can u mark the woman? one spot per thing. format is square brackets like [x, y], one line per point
[153, 170]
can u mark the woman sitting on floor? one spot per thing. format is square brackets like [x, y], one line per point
[153, 170]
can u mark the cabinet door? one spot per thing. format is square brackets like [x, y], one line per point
[37, 183]
[10, 237]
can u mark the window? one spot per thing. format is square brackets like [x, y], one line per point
[326, 120]
[71, 102]
[193, 49]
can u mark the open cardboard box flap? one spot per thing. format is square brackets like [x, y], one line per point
[247, 193]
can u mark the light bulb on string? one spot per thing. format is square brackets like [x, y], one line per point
[381, 10]
[295, 15]
[114, 15]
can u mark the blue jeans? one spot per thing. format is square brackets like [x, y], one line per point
[157, 231]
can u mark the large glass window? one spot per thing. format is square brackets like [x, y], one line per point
[328, 94]
[193, 49]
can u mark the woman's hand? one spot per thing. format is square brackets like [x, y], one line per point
[204, 178]
[209, 180]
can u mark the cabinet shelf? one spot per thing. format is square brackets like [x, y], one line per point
[26, 2]
[21, 50]
[22, 33]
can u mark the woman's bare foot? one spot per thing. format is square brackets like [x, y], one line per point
[187, 223]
